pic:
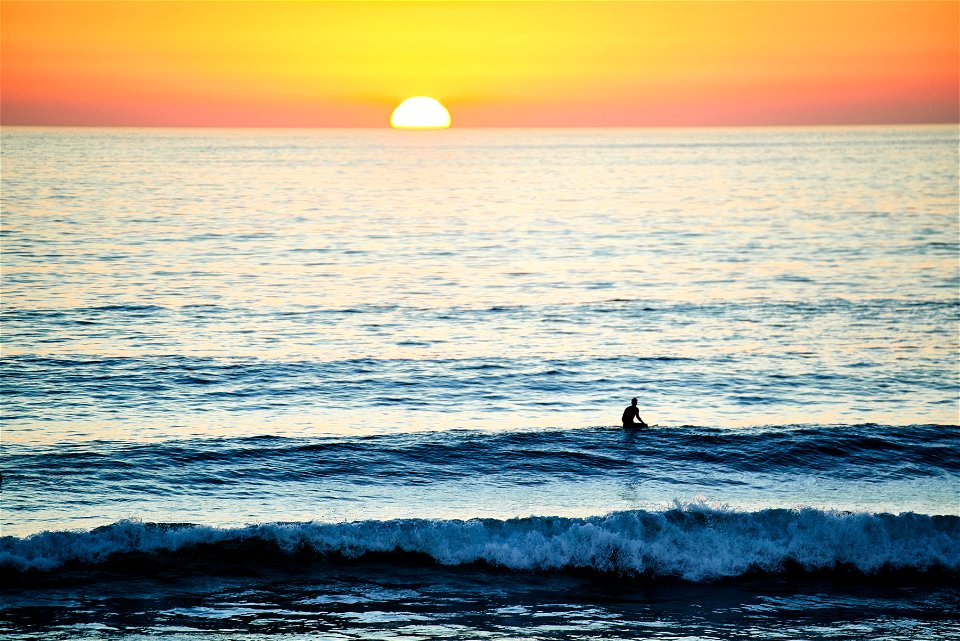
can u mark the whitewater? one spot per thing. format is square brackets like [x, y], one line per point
[673, 543]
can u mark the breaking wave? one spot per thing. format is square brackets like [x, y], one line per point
[693, 542]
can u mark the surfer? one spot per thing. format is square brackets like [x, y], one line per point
[630, 413]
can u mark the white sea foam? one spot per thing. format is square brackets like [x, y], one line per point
[694, 542]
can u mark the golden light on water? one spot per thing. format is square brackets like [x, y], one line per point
[420, 112]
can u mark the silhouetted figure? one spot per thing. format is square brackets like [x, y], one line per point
[632, 412]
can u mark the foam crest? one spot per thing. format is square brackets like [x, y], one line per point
[692, 542]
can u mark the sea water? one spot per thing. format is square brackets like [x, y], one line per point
[367, 384]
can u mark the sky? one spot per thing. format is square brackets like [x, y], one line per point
[493, 64]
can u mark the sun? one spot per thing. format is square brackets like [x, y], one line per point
[420, 112]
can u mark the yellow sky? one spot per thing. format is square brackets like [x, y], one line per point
[491, 63]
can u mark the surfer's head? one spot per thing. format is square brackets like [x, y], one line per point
[633, 401]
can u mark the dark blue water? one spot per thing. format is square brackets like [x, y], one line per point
[258, 469]
[411, 534]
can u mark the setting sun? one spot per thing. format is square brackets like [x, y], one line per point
[503, 64]
[420, 112]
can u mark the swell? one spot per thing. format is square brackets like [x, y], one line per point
[690, 542]
[854, 452]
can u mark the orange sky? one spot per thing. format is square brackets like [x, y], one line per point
[347, 64]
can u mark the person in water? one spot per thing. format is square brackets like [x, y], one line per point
[632, 412]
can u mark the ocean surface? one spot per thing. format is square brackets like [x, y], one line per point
[358, 384]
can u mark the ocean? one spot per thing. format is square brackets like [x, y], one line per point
[367, 384]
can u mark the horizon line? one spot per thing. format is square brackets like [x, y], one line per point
[487, 128]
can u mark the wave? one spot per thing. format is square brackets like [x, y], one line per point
[865, 452]
[692, 542]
